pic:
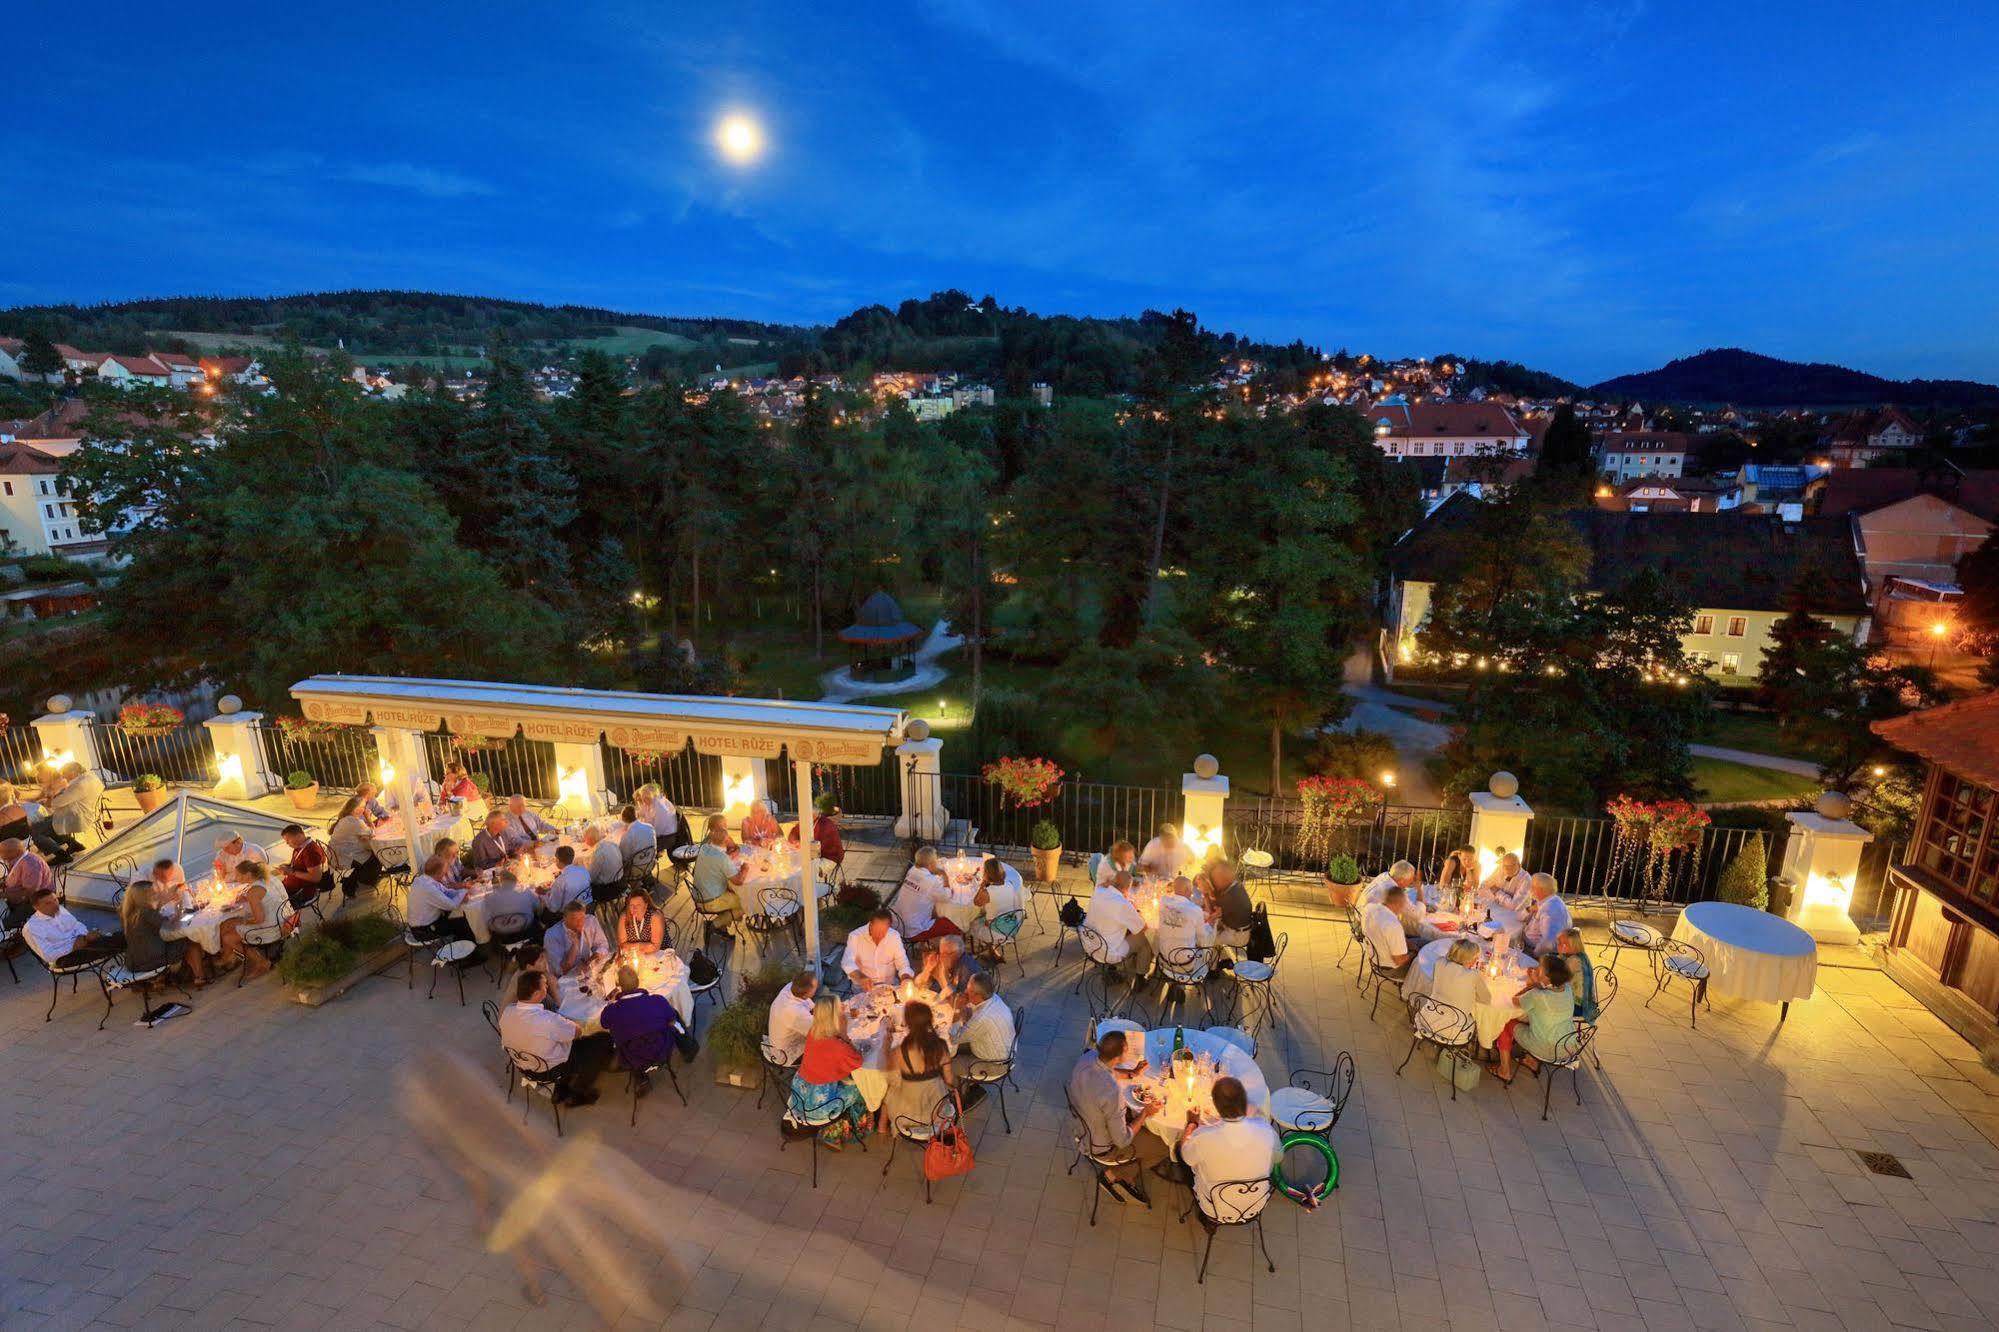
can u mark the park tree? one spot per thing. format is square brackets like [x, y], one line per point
[40, 357]
[1568, 456]
[1513, 566]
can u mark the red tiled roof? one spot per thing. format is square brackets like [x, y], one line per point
[12, 346]
[20, 460]
[1961, 737]
[1865, 489]
[69, 353]
[175, 360]
[62, 421]
[1433, 420]
[140, 365]
[225, 365]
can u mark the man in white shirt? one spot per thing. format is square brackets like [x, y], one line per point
[572, 881]
[428, 913]
[572, 944]
[1166, 854]
[607, 863]
[987, 1036]
[791, 1016]
[1547, 915]
[657, 810]
[74, 807]
[549, 1041]
[1381, 923]
[1508, 886]
[636, 838]
[875, 955]
[61, 940]
[1401, 872]
[1182, 924]
[231, 850]
[922, 889]
[1233, 1147]
[523, 824]
[1115, 917]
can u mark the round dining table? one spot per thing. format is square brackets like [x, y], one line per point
[1499, 1001]
[1751, 954]
[1226, 1058]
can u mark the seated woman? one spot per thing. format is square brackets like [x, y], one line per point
[760, 825]
[458, 783]
[946, 972]
[455, 873]
[352, 845]
[823, 1088]
[139, 916]
[1569, 943]
[1122, 858]
[266, 915]
[1460, 874]
[920, 1071]
[641, 927]
[997, 898]
[1458, 981]
[1548, 1009]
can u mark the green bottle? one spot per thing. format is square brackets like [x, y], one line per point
[1179, 1039]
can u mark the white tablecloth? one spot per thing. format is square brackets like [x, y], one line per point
[1751, 954]
[445, 824]
[662, 973]
[874, 1020]
[1232, 1060]
[1502, 994]
[203, 928]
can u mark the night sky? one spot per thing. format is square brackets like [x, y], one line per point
[1591, 189]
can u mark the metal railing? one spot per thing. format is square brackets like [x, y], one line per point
[522, 767]
[689, 779]
[1420, 834]
[1089, 815]
[1586, 860]
[184, 756]
[341, 759]
[873, 791]
[20, 751]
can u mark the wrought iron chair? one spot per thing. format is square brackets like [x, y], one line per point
[997, 1073]
[1001, 933]
[781, 915]
[1607, 985]
[1683, 962]
[490, 1010]
[1100, 976]
[75, 971]
[1447, 1027]
[945, 1117]
[537, 1079]
[1103, 1158]
[1569, 1053]
[1234, 1202]
[1255, 1000]
[116, 974]
[1184, 970]
[1376, 974]
[8, 938]
[791, 1127]
[1355, 932]
[778, 1072]
[1637, 936]
[711, 990]
[1316, 1099]
[647, 1053]
[269, 938]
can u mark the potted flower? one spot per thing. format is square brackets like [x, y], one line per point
[1045, 839]
[150, 790]
[297, 730]
[1328, 804]
[150, 719]
[1342, 880]
[303, 789]
[1024, 782]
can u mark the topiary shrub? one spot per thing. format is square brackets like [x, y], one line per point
[1746, 881]
[1045, 836]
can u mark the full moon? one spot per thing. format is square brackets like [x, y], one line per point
[739, 138]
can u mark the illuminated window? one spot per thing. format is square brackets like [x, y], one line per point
[1956, 843]
[1703, 624]
[1731, 663]
[1737, 626]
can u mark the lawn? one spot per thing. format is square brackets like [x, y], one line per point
[1755, 732]
[1721, 782]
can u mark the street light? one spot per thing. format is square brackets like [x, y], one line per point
[1938, 629]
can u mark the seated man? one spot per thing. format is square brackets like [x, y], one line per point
[553, 1042]
[636, 838]
[791, 1016]
[1508, 886]
[309, 872]
[573, 882]
[492, 845]
[231, 850]
[1401, 872]
[1381, 924]
[656, 809]
[1122, 858]
[1166, 855]
[1183, 925]
[636, 1012]
[987, 1036]
[61, 940]
[23, 873]
[825, 831]
[574, 943]
[1547, 915]
[607, 863]
[916, 900]
[429, 910]
[1234, 1146]
[73, 807]
[1115, 917]
[1114, 1136]
[946, 972]
[875, 955]
[715, 878]
[523, 824]
[1226, 898]
[511, 898]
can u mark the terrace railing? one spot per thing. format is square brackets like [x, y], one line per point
[688, 779]
[341, 759]
[184, 756]
[1090, 815]
[1586, 861]
[20, 751]
[521, 767]
[1420, 834]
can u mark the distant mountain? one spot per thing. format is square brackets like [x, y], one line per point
[1731, 375]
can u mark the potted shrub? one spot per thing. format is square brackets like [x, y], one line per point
[1342, 880]
[302, 788]
[735, 1034]
[1045, 839]
[325, 964]
[150, 790]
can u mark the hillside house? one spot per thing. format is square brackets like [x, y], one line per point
[1446, 429]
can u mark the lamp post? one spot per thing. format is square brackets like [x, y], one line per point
[1938, 628]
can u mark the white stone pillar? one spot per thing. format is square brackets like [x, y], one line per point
[403, 770]
[1204, 794]
[1822, 859]
[923, 814]
[65, 735]
[743, 781]
[580, 780]
[1499, 819]
[808, 862]
[241, 772]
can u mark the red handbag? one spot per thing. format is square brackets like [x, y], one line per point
[949, 1151]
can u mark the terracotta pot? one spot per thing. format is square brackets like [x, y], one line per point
[1047, 864]
[150, 800]
[304, 797]
[1342, 894]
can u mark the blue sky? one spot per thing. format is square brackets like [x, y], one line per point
[1589, 188]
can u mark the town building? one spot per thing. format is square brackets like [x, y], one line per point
[1625, 454]
[1858, 439]
[1445, 429]
[11, 350]
[128, 371]
[1686, 494]
[1912, 523]
[37, 516]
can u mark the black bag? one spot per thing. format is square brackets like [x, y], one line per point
[1071, 913]
[1262, 945]
[701, 968]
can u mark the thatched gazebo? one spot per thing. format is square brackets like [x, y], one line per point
[879, 636]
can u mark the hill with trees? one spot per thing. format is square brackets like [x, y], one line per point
[1747, 379]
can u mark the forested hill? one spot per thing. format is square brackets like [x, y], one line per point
[1731, 375]
[948, 331]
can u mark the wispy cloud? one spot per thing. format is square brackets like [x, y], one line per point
[427, 182]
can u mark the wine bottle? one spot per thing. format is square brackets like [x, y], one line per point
[1179, 1039]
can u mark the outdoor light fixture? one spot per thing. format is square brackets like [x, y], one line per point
[1388, 779]
[229, 772]
[572, 788]
[1880, 771]
[1203, 839]
[55, 758]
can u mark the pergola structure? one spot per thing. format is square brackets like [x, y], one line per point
[401, 710]
[879, 632]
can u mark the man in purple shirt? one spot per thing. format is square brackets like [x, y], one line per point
[643, 1025]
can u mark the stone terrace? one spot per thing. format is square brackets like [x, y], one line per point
[246, 1166]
